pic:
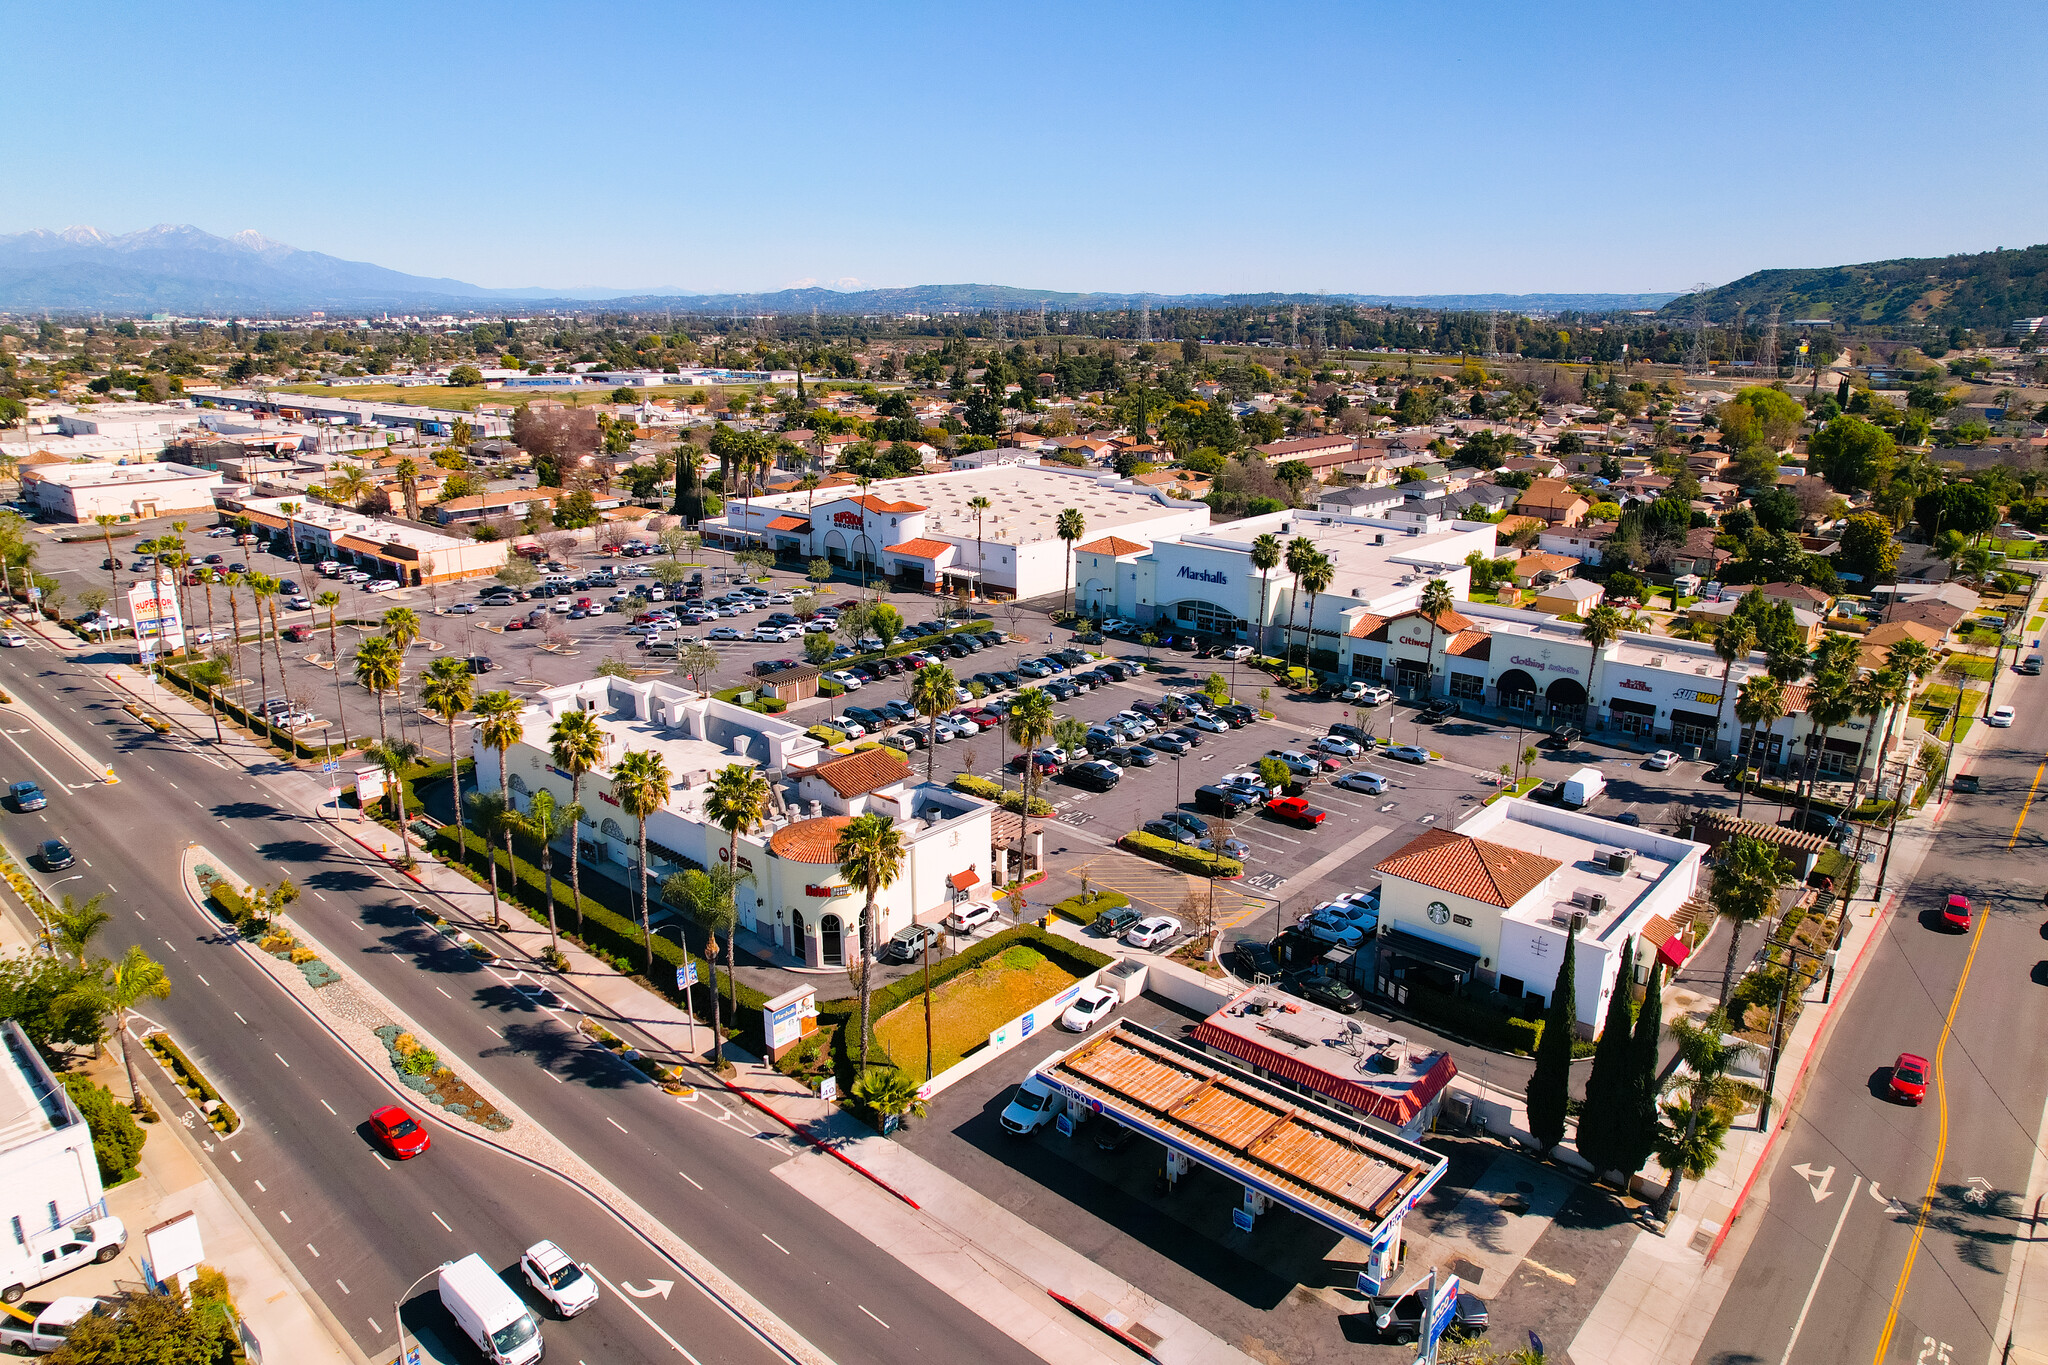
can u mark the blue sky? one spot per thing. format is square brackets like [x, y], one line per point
[1177, 147]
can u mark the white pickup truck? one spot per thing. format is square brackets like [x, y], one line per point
[37, 1328]
[50, 1254]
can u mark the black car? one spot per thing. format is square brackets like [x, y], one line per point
[1111, 1136]
[1169, 743]
[1114, 669]
[1964, 784]
[1193, 824]
[953, 649]
[1320, 988]
[1149, 709]
[969, 643]
[866, 716]
[1401, 1319]
[1237, 717]
[1564, 737]
[1132, 757]
[1010, 679]
[1357, 733]
[480, 663]
[1188, 733]
[1094, 776]
[1073, 658]
[1251, 960]
[1223, 801]
[990, 638]
[1061, 690]
[1168, 830]
[1443, 708]
[56, 855]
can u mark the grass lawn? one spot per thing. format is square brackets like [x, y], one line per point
[1932, 707]
[970, 1006]
[1972, 665]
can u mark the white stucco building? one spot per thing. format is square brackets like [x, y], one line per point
[792, 894]
[81, 492]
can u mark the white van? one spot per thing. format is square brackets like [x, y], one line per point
[1582, 787]
[484, 1306]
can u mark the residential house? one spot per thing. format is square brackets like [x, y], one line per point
[1583, 543]
[1558, 503]
[1536, 569]
[1569, 597]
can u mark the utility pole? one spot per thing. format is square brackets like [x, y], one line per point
[1763, 1113]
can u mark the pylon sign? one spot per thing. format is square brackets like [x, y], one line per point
[153, 607]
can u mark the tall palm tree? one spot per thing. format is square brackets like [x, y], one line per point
[330, 600]
[377, 669]
[1759, 704]
[1069, 526]
[576, 744]
[1692, 1150]
[447, 691]
[1879, 693]
[1265, 558]
[978, 505]
[107, 522]
[346, 484]
[870, 854]
[402, 624]
[1835, 665]
[640, 781]
[1315, 580]
[931, 692]
[1031, 722]
[394, 756]
[1300, 551]
[131, 979]
[268, 589]
[736, 803]
[291, 526]
[1436, 600]
[73, 927]
[1733, 642]
[1747, 875]
[499, 728]
[409, 487]
[544, 822]
[490, 815]
[253, 581]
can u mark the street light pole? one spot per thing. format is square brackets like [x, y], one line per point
[398, 1312]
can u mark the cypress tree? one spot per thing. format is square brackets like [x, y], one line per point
[1607, 1119]
[1549, 1093]
[1642, 1098]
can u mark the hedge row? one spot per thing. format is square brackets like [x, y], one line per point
[995, 791]
[1084, 909]
[1077, 958]
[1185, 857]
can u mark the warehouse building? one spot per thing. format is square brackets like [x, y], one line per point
[81, 492]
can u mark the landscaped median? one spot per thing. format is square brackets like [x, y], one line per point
[1182, 857]
[1003, 796]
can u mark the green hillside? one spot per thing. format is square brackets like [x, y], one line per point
[1985, 291]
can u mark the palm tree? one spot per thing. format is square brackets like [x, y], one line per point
[212, 674]
[291, 526]
[409, 487]
[1436, 600]
[641, 781]
[255, 581]
[394, 756]
[402, 624]
[931, 692]
[1265, 558]
[1835, 666]
[346, 484]
[870, 854]
[1684, 1146]
[491, 815]
[330, 600]
[499, 727]
[447, 691]
[1733, 642]
[979, 506]
[73, 927]
[1031, 723]
[1880, 693]
[1069, 526]
[737, 802]
[377, 669]
[545, 822]
[1759, 704]
[576, 744]
[268, 589]
[133, 978]
[107, 522]
[1747, 874]
[1300, 551]
[1315, 579]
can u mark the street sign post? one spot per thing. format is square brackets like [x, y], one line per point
[1443, 1307]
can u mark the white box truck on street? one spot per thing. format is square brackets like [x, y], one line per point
[1582, 787]
[489, 1312]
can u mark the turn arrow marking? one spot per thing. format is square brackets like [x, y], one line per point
[660, 1287]
[1816, 1179]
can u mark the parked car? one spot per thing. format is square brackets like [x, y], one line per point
[1168, 830]
[908, 943]
[1194, 824]
[1113, 922]
[970, 917]
[1442, 708]
[1094, 775]
[2000, 717]
[1320, 988]
[1152, 932]
[1660, 760]
[1089, 1006]
[1372, 784]
[1407, 753]
[1400, 1319]
[1338, 744]
[1295, 810]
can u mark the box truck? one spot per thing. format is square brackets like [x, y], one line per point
[1582, 787]
[489, 1313]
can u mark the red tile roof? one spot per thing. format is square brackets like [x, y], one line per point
[790, 524]
[1110, 545]
[810, 841]
[1471, 644]
[1468, 867]
[857, 774]
[922, 548]
[1364, 627]
[874, 504]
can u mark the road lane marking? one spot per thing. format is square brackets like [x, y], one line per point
[280, 1057]
[344, 1286]
[329, 1108]
[444, 994]
[777, 1245]
[204, 982]
[380, 1161]
[238, 1015]
[1826, 1252]
[315, 1250]
[614, 1123]
[236, 1155]
[2027, 804]
[627, 1300]
[700, 1187]
[260, 1189]
[442, 1221]
[375, 1326]
[863, 1308]
[1891, 1317]
[282, 1214]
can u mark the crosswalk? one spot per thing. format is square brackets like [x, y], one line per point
[1161, 888]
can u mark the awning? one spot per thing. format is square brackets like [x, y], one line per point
[960, 881]
[1633, 708]
[1425, 950]
[1672, 952]
[1696, 719]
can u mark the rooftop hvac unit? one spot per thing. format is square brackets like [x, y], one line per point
[1358, 592]
[1596, 904]
[1656, 661]
[1578, 921]
[1619, 860]
[1380, 539]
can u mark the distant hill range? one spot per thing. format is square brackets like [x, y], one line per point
[1985, 291]
[170, 269]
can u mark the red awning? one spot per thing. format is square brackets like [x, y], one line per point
[962, 880]
[1672, 952]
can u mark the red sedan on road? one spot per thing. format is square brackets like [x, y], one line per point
[1909, 1078]
[1956, 914]
[399, 1133]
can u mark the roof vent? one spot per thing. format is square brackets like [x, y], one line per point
[1656, 661]
[1358, 592]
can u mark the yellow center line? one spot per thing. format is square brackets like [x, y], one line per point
[2027, 803]
[1891, 1320]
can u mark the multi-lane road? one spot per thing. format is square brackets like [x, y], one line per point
[1884, 1233]
[360, 1229]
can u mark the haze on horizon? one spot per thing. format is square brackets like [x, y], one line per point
[1172, 149]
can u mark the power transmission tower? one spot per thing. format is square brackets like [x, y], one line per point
[1493, 333]
[1696, 355]
[1736, 333]
[1316, 339]
[1294, 329]
[1041, 317]
[1769, 358]
[1145, 320]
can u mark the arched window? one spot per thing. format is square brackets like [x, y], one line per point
[831, 949]
[521, 799]
[610, 829]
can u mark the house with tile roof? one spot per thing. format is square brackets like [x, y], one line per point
[1489, 905]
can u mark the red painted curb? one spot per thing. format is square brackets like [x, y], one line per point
[830, 1151]
[1125, 1337]
[1742, 1198]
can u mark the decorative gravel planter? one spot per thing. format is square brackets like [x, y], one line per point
[193, 1082]
[421, 1072]
[282, 946]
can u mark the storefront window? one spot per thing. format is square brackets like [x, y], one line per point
[1366, 666]
[1207, 618]
[1468, 686]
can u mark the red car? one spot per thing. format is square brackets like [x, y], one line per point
[399, 1133]
[516, 623]
[1909, 1078]
[1956, 914]
[1295, 810]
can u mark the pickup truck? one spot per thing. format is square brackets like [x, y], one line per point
[1295, 810]
[37, 1327]
[50, 1254]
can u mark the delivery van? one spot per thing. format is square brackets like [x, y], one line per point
[1582, 787]
[489, 1313]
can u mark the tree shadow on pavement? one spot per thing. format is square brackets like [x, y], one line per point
[566, 1055]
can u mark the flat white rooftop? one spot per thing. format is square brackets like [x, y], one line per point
[1371, 556]
[1026, 500]
[1584, 845]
